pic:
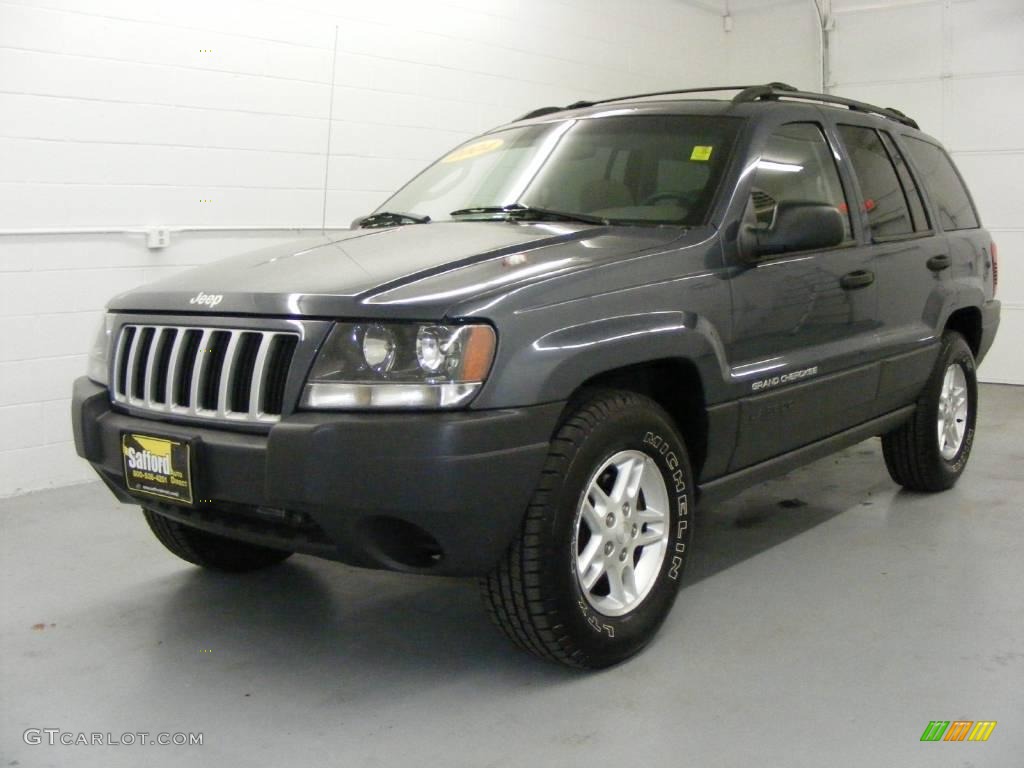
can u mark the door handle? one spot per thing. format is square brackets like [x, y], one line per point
[939, 263]
[860, 278]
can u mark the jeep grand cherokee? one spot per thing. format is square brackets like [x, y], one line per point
[536, 359]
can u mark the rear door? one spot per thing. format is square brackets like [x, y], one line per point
[803, 351]
[955, 216]
[910, 259]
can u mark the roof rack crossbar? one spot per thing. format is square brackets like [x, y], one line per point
[771, 93]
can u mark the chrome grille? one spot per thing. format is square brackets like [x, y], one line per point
[212, 373]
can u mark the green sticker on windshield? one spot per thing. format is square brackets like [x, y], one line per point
[701, 153]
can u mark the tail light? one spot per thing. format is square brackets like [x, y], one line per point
[995, 269]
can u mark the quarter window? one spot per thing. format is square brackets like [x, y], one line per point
[943, 184]
[883, 197]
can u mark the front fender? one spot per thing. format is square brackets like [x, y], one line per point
[555, 363]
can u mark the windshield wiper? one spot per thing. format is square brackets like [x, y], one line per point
[390, 219]
[520, 212]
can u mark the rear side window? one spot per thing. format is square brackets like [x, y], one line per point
[913, 194]
[884, 200]
[943, 185]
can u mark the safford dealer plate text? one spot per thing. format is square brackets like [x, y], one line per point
[157, 466]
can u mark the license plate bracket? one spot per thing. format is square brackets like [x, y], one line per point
[159, 467]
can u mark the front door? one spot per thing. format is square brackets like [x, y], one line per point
[803, 350]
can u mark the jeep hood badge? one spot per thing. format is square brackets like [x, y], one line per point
[209, 299]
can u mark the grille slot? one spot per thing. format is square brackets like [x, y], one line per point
[140, 353]
[281, 349]
[241, 383]
[164, 348]
[186, 367]
[214, 373]
[121, 364]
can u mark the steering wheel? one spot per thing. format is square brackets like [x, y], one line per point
[685, 199]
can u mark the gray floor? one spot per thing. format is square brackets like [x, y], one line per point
[826, 619]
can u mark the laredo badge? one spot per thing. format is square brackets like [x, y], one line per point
[158, 467]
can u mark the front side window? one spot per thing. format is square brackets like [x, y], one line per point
[943, 184]
[635, 169]
[884, 200]
[796, 166]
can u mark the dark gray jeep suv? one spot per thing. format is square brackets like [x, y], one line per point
[541, 356]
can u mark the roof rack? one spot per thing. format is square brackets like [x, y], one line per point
[747, 93]
[581, 104]
[773, 92]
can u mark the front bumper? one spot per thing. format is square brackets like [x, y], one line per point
[442, 493]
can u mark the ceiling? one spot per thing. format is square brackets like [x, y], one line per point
[739, 6]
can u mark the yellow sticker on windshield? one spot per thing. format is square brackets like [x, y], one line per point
[701, 153]
[475, 149]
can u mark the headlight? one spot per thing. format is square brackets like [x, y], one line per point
[399, 365]
[99, 355]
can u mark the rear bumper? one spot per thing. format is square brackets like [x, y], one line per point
[989, 326]
[442, 493]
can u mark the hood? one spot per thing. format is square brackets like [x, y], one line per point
[413, 270]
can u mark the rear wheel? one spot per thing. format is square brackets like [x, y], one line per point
[208, 550]
[930, 451]
[597, 564]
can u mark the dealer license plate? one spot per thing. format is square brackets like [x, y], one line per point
[157, 466]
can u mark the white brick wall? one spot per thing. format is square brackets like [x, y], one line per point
[774, 40]
[121, 114]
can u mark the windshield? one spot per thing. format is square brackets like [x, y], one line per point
[635, 169]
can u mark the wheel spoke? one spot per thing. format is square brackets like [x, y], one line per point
[629, 582]
[650, 536]
[650, 514]
[590, 553]
[601, 499]
[624, 480]
[638, 474]
[960, 400]
[616, 589]
[593, 517]
[947, 383]
[589, 578]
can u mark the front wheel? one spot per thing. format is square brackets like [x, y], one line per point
[929, 452]
[597, 564]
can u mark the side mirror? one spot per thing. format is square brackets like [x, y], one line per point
[798, 226]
